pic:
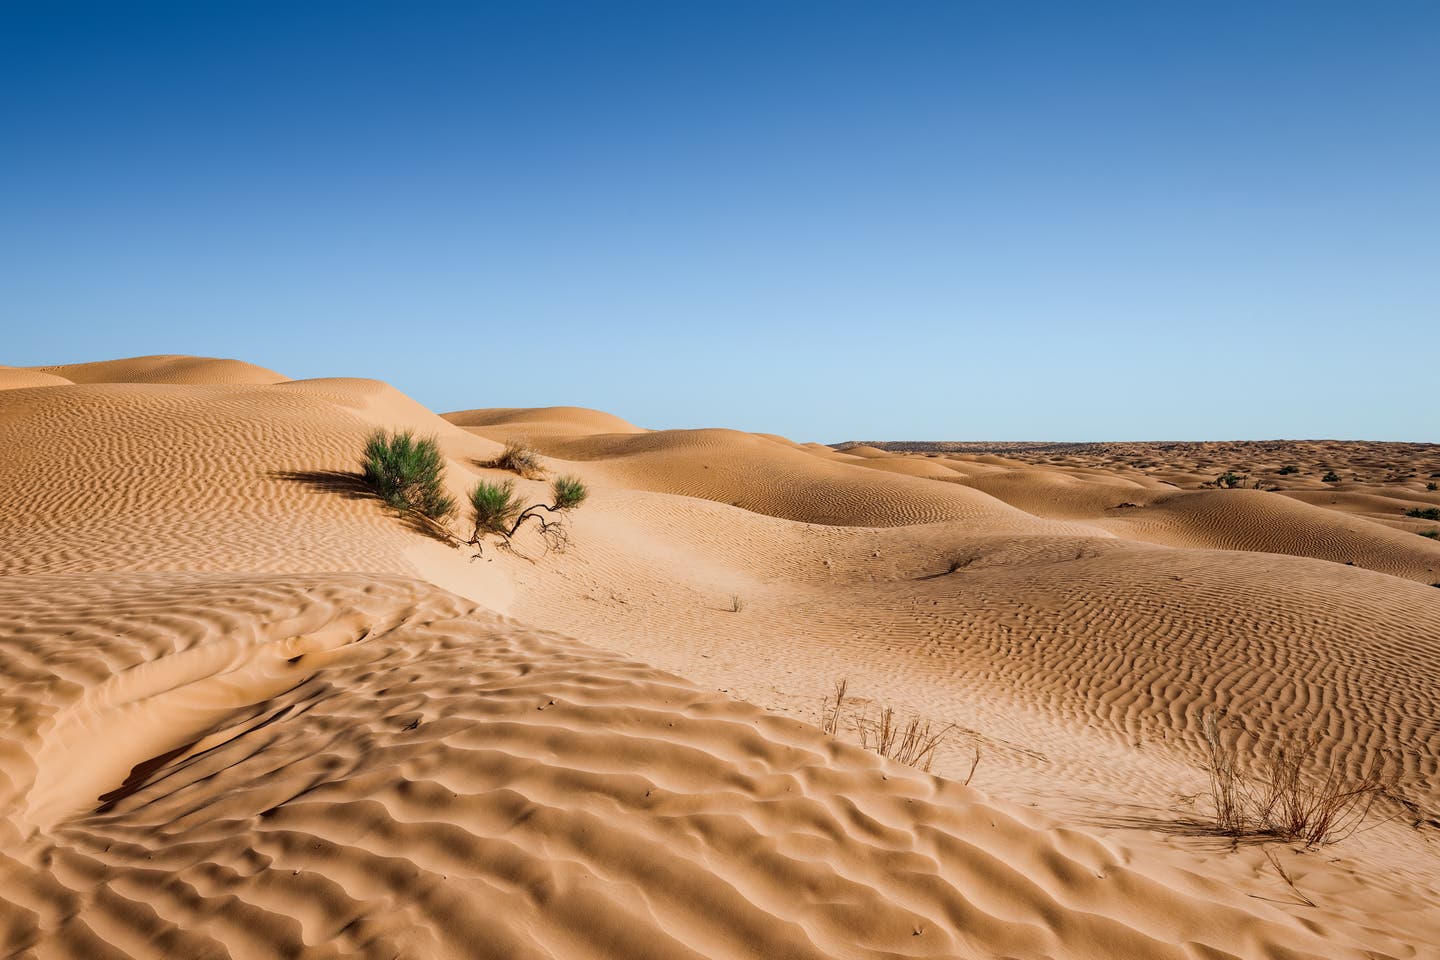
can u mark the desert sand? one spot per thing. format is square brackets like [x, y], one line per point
[251, 713]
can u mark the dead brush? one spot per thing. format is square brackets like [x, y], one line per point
[1283, 802]
[1323, 810]
[520, 458]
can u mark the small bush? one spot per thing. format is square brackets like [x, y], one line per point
[494, 507]
[519, 457]
[1424, 513]
[1432, 534]
[1432, 486]
[736, 603]
[1229, 480]
[408, 473]
[569, 493]
[1288, 469]
[1330, 477]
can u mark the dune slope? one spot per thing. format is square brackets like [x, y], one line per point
[360, 766]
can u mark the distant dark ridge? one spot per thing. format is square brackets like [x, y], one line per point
[1121, 447]
[965, 446]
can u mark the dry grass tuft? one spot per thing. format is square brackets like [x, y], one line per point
[912, 741]
[830, 713]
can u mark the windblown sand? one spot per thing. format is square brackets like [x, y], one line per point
[251, 713]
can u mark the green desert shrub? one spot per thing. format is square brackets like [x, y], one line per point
[1288, 469]
[1432, 486]
[494, 507]
[1432, 534]
[1424, 513]
[1330, 477]
[407, 472]
[1229, 480]
[497, 511]
[569, 493]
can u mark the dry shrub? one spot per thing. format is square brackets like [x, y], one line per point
[520, 458]
[1227, 784]
[1285, 802]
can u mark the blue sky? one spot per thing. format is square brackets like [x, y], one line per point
[831, 220]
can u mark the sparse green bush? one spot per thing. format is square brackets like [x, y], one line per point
[1330, 477]
[408, 473]
[1229, 480]
[1288, 469]
[1432, 534]
[1424, 513]
[1432, 486]
[493, 507]
[569, 493]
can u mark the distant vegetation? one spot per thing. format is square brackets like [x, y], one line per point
[1432, 486]
[1424, 513]
[1295, 798]
[1288, 469]
[1330, 477]
[408, 473]
[1432, 534]
[1229, 480]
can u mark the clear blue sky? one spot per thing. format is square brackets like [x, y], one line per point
[832, 220]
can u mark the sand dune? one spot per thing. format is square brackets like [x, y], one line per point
[1138, 506]
[243, 720]
[762, 475]
[396, 774]
[12, 378]
[164, 369]
[502, 423]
